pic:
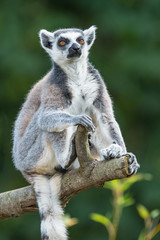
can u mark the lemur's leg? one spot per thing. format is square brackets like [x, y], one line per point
[53, 121]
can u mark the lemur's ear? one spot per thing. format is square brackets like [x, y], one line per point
[90, 35]
[46, 39]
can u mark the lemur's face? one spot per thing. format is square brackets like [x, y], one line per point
[68, 45]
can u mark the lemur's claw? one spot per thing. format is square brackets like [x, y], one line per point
[133, 164]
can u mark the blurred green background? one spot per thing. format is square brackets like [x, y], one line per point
[127, 54]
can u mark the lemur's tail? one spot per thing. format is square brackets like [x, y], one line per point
[47, 194]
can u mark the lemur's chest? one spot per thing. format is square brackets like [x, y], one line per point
[83, 95]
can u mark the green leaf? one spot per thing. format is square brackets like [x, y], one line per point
[125, 200]
[125, 184]
[155, 213]
[142, 235]
[113, 185]
[128, 182]
[100, 218]
[69, 221]
[142, 211]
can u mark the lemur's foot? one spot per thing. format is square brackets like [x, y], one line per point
[131, 164]
[113, 151]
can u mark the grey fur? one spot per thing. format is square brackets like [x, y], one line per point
[67, 30]
[72, 93]
[59, 78]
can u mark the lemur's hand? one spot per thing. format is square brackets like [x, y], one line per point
[85, 121]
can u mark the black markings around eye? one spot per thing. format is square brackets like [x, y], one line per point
[63, 41]
[80, 40]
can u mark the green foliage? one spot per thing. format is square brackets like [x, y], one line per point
[100, 219]
[127, 54]
[69, 221]
[122, 200]
[143, 212]
[152, 228]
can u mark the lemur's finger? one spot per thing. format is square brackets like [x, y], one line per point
[88, 126]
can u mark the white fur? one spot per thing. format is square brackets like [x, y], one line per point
[47, 192]
[84, 90]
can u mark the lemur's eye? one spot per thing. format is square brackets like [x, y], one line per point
[62, 43]
[81, 41]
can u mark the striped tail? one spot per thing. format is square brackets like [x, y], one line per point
[47, 194]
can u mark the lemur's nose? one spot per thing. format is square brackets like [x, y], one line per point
[75, 47]
[74, 51]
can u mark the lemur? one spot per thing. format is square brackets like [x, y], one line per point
[72, 93]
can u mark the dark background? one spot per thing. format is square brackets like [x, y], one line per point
[127, 54]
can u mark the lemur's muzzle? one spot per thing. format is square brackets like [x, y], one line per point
[74, 51]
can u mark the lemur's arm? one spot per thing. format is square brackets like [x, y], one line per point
[56, 121]
[114, 130]
[112, 144]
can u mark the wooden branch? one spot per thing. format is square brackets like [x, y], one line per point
[91, 173]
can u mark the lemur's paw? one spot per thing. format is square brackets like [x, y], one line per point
[133, 165]
[86, 121]
[113, 151]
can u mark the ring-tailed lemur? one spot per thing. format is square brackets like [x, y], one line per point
[72, 93]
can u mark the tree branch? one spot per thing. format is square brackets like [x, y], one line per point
[92, 173]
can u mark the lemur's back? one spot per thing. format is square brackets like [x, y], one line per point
[24, 119]
[29, 108]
